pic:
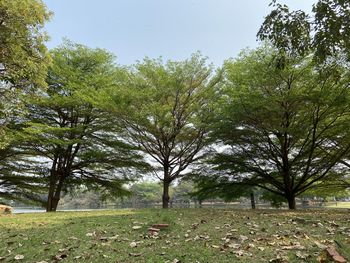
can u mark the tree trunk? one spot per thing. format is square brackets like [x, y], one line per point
[252, 200]
[291, 202]
[50, 196]
[166, 197]
[54, 196]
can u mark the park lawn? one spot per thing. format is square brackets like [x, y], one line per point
[194, 235]
[339, 205]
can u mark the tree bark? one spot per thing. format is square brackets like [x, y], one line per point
[291, 202]
[165, 199]
[54, 196]
[252, 200]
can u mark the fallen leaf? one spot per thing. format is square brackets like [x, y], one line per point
[135, 254]
[239, 253]
[19, 257]
[60, 257]
[302, 255]
[319, 245]
[296, 247]
[243, 238]
[133, 244]
[234, 246]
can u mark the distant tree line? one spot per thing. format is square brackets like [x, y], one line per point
[274, 118]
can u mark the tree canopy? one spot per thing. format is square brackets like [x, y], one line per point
[278, 121]
[23, 54]
[75, 142]
[162, 106]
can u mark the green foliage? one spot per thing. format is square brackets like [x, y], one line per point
[75, 142]
[182, 192]
[163, 108]
[211, 185]
[23, 57]
[23, 62]
[146, 192]
[325, 33]
[283, 125]
[275, 200]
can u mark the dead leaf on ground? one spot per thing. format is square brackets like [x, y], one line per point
[60, 257]
[135, 254]
[301, 255]
[293, 247]
[133, 244]
[19, 257]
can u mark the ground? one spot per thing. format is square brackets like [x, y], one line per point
[193, 235]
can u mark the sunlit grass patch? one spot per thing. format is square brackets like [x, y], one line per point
[193, 235]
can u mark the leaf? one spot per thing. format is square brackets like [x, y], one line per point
[136, 227]
[319, 245]
[135, 254]
[297, 247]
[133, 244]
[60, 257]
[19, 257]
[302, 255]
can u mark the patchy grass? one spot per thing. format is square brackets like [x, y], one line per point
[194, 235]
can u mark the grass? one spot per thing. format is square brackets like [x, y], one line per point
[194, 235]
[338, 205]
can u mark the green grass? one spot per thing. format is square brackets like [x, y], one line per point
[338, 205]
[194, 235]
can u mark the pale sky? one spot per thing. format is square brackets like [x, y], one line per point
[173, 29]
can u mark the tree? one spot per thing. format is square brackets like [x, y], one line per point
[145, 193]
[279, 119]
[214, 184]
[326, 34]
[23, 55]
[162, 107]
[15, 182]
[76, 142]
[23, 62]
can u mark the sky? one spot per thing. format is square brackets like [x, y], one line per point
[172, 29]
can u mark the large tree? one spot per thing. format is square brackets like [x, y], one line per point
[325, 32]
[75, 142]
[162, 107]
[324, 35]
[15, 181]
[23, 63]
[280, 117]
[23, 55]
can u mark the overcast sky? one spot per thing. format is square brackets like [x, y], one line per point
[173, 29]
